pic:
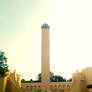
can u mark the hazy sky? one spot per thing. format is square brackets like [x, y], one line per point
[70, 24]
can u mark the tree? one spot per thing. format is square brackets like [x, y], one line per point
[23, 80]
[3, 64]
[39, 76]
[69, 80]
[58, 78]
[53, 78]
[31, 80]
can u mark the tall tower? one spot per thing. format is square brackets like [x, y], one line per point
[45, 59]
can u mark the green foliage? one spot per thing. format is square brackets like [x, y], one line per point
[3, 64]
[69, 80]
[39, 77]
[89, 86]
[57, 78]
[53, 78]
[23, 80]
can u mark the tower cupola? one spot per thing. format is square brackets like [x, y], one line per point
[45, 25]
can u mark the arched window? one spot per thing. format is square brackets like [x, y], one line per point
[31, 87]
[34, 87]
[51, 87]
[59, 87]
[55, 87]
[68, 87]
[64, 87]
[39, 88]
[27, 87]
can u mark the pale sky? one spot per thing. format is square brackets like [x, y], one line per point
[70, 24]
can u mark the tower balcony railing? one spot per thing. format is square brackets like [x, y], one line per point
[33, 88]
[60, 87]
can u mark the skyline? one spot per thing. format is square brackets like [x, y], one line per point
[70, 24]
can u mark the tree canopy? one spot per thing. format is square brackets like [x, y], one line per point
[3, 64]
[53, 78]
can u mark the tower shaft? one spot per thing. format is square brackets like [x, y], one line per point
[45, 59]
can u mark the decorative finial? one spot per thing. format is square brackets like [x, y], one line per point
[45, 25]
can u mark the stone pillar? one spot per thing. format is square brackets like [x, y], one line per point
[45, 59]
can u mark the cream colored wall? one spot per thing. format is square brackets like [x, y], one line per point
[88, 75]
[54, 86]
[19, 80]
[31, 87]
[60, 86]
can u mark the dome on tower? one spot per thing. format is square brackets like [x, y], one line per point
[45, 25]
